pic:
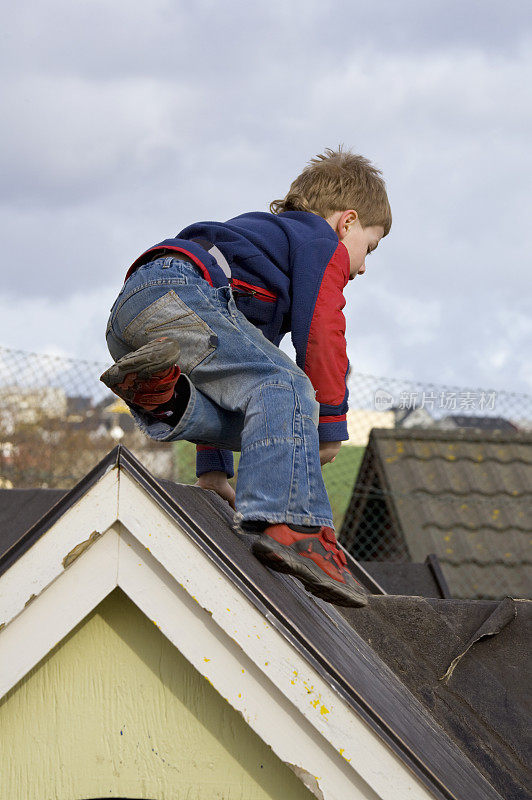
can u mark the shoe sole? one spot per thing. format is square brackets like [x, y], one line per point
[281, 558]
[149, 359]
[246, 536]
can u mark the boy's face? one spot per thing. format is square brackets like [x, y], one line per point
[359, 241]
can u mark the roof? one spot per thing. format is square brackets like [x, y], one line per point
[463, 495]
[407, 578]
[20, 509]
[485, 696]
[382, 665]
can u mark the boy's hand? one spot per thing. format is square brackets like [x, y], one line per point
[217, 482]
[328, 451]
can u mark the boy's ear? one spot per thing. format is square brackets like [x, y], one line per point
[347, 219]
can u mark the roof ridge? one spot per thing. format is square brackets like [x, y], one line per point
[492, 562]
[459, 434]
[468, 528]
[465, 457]
[444, 497]
[469, 492]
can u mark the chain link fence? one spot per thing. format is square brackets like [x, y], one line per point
[448, 470]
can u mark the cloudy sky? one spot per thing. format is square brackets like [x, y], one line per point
[124, 122]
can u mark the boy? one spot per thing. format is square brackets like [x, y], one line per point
[195, 333]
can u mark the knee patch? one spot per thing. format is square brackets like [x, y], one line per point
[278, 411]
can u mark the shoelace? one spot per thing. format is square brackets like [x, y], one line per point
[328, 540]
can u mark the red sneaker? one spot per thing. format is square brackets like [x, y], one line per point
[315, 559]
[146, 377]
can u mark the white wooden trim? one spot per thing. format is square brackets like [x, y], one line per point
[35, 569]
[57, 610]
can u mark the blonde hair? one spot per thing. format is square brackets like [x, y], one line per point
[336, 181]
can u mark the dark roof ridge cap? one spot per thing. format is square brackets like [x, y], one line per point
[478, 563]
[467, 457]
[498, 495]
[459, 434]
[484, 526]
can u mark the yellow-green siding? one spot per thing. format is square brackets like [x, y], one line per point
[116, 711]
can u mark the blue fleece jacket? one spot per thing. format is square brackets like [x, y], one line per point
[288, 273]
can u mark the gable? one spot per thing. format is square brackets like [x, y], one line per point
[130, 717]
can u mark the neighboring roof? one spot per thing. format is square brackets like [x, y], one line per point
[461, 738]
[463, 495]
[484, 698]
[407, 578]
[20, 509]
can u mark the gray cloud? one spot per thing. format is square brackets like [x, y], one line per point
[165, 37]
[123, 124]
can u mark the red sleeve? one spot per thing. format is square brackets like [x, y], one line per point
[326, 361]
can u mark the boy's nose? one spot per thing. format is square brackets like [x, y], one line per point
[362, 269]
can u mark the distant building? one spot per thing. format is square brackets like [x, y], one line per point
[79, 405]
[28, 406]
[360, 421]
[523, 424]
[481, 423]
[412, 418]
